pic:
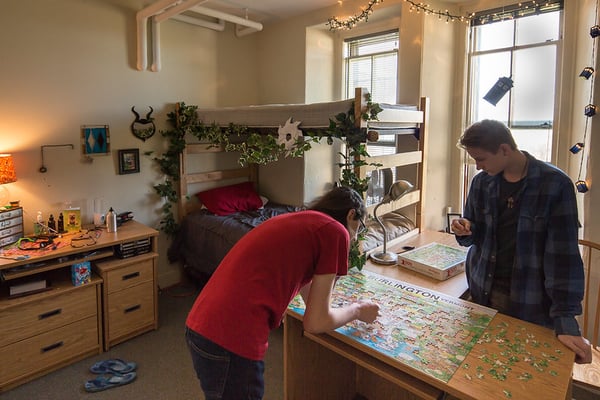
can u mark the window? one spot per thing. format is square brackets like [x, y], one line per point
[524, 48]
[372, 62]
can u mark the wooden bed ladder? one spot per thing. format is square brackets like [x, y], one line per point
[417, 157]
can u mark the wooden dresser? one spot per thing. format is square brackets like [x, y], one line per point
[44, 331]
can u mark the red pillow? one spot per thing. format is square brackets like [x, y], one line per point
[226, 200]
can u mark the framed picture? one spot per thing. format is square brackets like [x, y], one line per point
[95, 139]
[129, 161]
[451, 217]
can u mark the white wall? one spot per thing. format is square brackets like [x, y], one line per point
[421, 38]
[70, 63]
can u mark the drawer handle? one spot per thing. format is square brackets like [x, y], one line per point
[50, 313]
[52, 346]
[133, 308]
[132, 275]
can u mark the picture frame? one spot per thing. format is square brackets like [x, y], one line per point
[449, 218]
[95, 140]
[129, 161]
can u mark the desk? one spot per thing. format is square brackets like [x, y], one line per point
[42, 332]
[335, 366]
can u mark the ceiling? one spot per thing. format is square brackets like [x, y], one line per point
[270, 11]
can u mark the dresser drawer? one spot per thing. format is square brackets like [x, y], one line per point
[46, 350]
[27, 320]
[129, 276]
[131, 309]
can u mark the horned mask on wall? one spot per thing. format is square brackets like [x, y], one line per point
[143, 128]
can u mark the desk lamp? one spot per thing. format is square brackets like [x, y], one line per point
[7, 175]
[397, 190]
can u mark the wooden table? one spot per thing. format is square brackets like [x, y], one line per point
[335, 366]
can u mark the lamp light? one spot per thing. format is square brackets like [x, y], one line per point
[397, 190]
[576, 148]
[7, 175]
[497, 92]
[586, 73]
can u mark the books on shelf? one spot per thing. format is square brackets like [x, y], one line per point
[28, 286]
[435, 260]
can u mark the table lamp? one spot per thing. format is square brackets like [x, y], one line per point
[397, 190]
[7, 175]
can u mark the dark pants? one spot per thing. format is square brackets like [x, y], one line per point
[224, 375]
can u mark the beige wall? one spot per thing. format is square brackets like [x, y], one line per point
[70, 63]
[283, 79]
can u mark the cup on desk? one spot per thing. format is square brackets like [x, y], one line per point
[99, 219]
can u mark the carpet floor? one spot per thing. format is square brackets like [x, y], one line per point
[164, 371]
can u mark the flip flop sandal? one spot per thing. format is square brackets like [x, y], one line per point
[107, 381]
[114, 365]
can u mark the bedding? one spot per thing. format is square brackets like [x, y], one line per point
[204, 238]
[229, 199]
[396, 225]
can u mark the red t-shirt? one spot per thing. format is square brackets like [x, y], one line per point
[247, 295]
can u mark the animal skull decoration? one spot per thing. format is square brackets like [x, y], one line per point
[143, 128]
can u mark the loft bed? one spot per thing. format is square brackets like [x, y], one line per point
[204, 238]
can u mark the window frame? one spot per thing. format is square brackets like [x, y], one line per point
[471, 54]
[346, 57]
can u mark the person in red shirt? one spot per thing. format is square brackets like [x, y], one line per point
[303, 252]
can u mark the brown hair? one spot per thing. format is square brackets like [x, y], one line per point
[338, 202]
[488, 135]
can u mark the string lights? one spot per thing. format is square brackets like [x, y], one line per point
[589, 111]
[521, 9]
[442, 15]
[349, 23]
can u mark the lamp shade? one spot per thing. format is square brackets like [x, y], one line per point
[399, 189]
[7, 169]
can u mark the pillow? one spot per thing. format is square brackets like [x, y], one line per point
[226, 200]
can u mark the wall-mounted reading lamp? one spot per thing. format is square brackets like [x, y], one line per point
[43, 168]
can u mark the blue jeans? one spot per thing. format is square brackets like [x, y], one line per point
[224, 375]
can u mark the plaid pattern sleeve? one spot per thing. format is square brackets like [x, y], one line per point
[547, 280]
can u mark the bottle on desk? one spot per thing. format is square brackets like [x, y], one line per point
[111, 221]
[51, 225]
[61, 223]
[39, 227]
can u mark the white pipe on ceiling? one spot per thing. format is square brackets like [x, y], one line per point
[227, 17]
[177, 9]
[243, 30]
[142, 23]
[216, 26]
[165, 9]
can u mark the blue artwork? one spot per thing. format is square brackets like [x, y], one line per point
[96, 139]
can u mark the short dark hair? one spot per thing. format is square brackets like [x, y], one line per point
[338, 202]
[488, 135]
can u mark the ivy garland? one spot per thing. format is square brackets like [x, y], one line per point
[262, 149]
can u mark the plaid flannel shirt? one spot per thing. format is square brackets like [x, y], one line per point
[547, 282]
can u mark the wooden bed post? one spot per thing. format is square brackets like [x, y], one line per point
[360, 105]
[422, 170]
